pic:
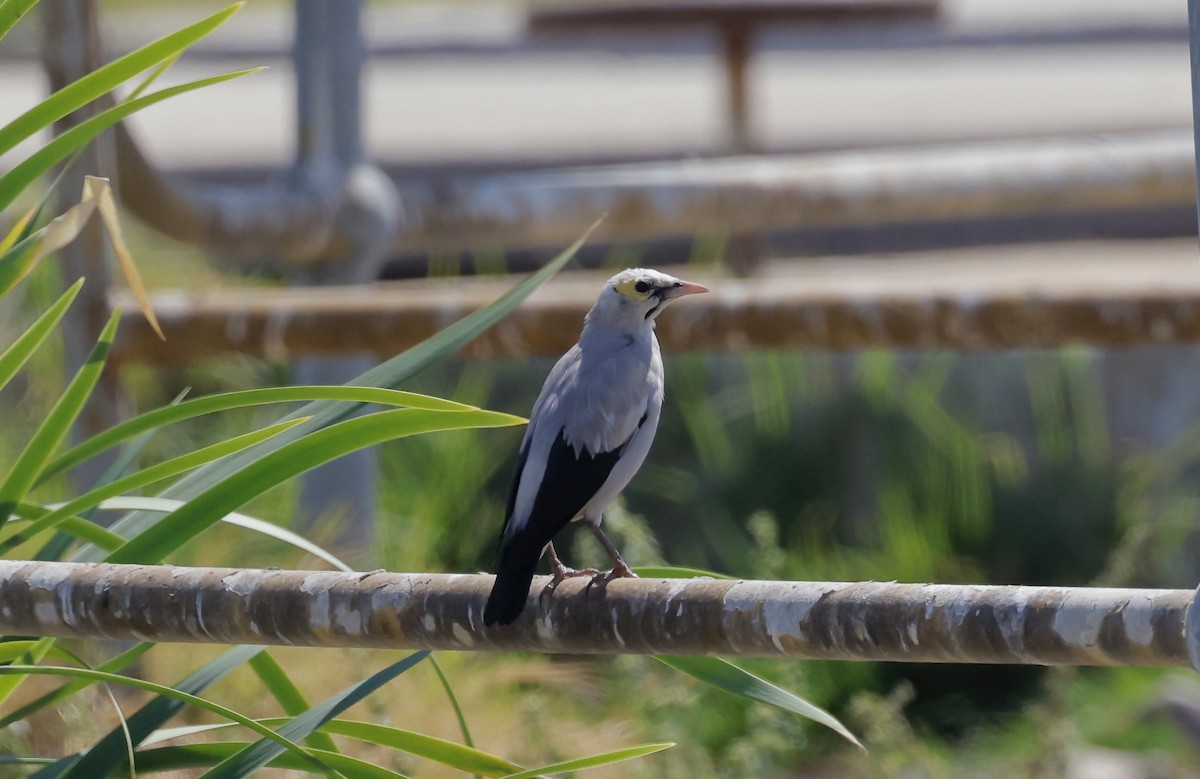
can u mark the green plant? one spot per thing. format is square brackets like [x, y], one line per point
[206, 486]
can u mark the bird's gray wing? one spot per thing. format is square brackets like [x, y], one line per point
[570, 478]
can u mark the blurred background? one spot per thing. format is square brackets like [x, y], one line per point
[953, 252]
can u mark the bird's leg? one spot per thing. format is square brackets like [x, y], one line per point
[620, 569]
[558, 572]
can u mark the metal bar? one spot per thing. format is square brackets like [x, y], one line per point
[71, 49]
[853, 188]
[994, 299]
[811, 620]
[1194, 37]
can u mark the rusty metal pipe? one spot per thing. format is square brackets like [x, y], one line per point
[747, 194]
[814, 620]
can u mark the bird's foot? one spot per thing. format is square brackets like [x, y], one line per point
[601, 580]
[559, 575]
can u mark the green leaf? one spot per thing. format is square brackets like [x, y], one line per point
[595, 761]
[75, 526]
[728, 677]
[108, 753]
[175, 529]
[189, 409]
[280, 685]
[142, 478]
[674, 572]
[449, 690]
[448, 753]
[70, 688]
[463, 758]
[40, 162]
[262, 752]
[102, 80]
[392, 373]
[11, 12]
[10, 683]
[53, 429]
[16, 261]
[22, 349]
[205, 755]
[168, 505]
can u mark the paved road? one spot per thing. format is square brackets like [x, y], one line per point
[444, 90]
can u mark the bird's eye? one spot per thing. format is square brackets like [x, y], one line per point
[642, 286]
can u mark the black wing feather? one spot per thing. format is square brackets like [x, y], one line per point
[569, 482]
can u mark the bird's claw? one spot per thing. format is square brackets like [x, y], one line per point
[557, 578]
[601, 580]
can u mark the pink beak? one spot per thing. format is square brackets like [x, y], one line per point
[685, 288]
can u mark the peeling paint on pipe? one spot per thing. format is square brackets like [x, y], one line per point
[811, 620]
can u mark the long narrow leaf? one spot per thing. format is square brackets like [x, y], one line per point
[259, 754]
[174, 530]
[109, 752]
[448, 753]
[205, 755]
[225, 401]
[104, 79]
[113, 665]
[11, 12]
[73, 526]
[728, 677]
[22, 349]
[25, 173]
[260, 526]
[392, 373]
[595, 761]
[54, 428]
[143, 478]
[287, 694]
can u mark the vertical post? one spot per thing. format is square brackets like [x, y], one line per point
[328, 57]
[735, 37]
[1194, 35]
[71, 50]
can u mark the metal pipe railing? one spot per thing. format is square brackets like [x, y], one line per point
[886, 621]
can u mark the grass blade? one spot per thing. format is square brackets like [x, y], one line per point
[22, 349]
[143, 478]
[189, 409]
[113, 665]
[40, 162]
[102, 80]
[391, 373]
[458, 712]
[108, 753]
[595, 761]
[448, 753]
[205, 755]
[11, 12]
[54, 428]
[728, 677]
[175, 529]
[262, 752]
[292, 701]
[168, 505]
[675, 572]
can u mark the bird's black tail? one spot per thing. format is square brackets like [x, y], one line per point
[511, 589]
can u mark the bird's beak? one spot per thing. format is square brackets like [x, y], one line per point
[682, 288]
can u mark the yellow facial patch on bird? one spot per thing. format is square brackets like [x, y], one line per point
[637, 289]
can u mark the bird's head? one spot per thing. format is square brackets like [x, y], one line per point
[634, 297]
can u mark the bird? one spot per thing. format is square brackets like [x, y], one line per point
[588, 434]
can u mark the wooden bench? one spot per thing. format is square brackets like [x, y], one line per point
[734, 21]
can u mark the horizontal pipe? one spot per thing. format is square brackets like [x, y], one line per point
[298, 227]
[813, 620]
[981, 300]
[811, 191]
